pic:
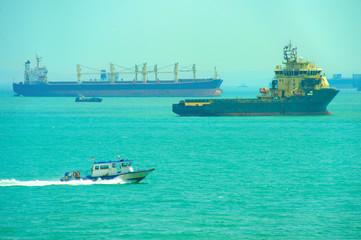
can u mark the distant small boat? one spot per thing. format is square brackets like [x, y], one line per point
[243, 85]
[83, 99]
[120, 169]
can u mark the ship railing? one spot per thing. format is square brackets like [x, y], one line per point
[197, 100]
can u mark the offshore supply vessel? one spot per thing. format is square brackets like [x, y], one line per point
[298, 88]
[36, 84]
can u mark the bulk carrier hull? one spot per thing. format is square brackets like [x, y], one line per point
[189, 88]
[314, 103]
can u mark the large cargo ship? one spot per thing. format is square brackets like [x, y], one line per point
[356, 81]
[298, 88]
[36, 84]
[339, 81]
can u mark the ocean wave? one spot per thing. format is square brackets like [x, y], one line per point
[39, 183]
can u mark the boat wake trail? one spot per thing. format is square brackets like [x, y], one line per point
[38, 183]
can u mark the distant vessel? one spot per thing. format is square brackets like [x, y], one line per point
[36, 84]
[298, 89]
[121, 169]
[341, 82]
[242, 85]
[356, 81]
[83, 99]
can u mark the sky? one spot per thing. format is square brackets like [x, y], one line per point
[244, 39]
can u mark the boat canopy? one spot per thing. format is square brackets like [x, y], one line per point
[117, 161]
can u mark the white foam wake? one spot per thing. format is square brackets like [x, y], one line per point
[38, 183]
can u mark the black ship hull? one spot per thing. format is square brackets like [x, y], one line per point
[189, 88]
[314, 103]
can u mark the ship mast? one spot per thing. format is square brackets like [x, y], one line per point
[136, 72]
[156, 72]
[176, 71]
[215, 73]
[111, 73]
[78, 70]
[289, 53]
[38, 59]
[144, 72]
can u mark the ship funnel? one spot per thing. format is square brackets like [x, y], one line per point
[27, 65]
[27, 72]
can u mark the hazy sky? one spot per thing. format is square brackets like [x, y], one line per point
[233, 35]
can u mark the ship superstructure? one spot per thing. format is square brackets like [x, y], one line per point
[112, 85]
[299, 88]
[37, 75]
[296, 77]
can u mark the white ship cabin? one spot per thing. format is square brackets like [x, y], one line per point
[111, 168]
[35, 75]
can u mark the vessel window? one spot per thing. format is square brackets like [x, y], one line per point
[96, 167]
[104, 166]
[281, 72]
[124, 164]
[113, 165]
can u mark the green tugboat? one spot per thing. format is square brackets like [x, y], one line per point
[298, 88]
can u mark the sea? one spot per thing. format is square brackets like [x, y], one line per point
[259, 177]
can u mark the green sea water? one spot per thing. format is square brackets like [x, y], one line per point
[272, 177]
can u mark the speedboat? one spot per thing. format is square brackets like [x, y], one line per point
[121, 169]
[83, 99]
